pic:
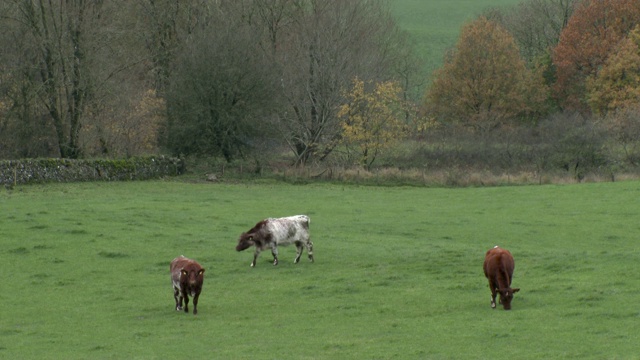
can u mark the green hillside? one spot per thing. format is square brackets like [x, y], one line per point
[435, 24]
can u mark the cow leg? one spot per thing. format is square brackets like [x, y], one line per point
[184, 295]
[493, 294]
[493, 298]
[274, 252]
[195, 304]
[310, 249]
[298, 252]
[255, 257]
[178, 298]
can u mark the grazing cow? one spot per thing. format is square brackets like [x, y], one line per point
[270, 233]
[187, 277]
[498, 268]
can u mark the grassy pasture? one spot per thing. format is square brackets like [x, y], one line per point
[398, 272]
[435, 25]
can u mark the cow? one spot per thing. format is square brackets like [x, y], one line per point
[498, 268]
[187, 277]
[272, 232]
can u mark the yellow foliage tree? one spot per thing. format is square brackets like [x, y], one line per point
[371, 119]
[484, 81]
[617, 84]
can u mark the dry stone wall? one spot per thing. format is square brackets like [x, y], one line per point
[13, 172]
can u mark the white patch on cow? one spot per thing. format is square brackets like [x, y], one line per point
[288, 230]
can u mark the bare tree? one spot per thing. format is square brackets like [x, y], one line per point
[24, 130]
[535, 25]
[60, 35]
[318, 47]
[62, 66]
[167, 24]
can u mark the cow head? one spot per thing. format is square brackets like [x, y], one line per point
[506, 295]
[193, 276]
[245, 241]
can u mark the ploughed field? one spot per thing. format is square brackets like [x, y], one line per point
[397, 272]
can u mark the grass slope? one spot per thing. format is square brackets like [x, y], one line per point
[436, 24]
[398, 272]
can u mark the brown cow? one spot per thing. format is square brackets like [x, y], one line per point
[498, 268]
[187, 277]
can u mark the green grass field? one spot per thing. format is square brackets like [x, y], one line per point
[435, 24]
[398, 272]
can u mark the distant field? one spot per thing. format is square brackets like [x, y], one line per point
[398, 272]
[435, 24]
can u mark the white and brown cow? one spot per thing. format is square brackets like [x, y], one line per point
[498, 268]
[273, 232]
[187, 277]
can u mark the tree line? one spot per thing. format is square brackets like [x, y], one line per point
[210, 77]
[541, 57]
[321, 79]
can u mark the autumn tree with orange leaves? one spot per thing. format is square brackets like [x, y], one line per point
[484, 81]
[617, 84]
[594, 30]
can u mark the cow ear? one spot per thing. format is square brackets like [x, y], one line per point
[201, 272]
[515, 290]
[183, 271]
